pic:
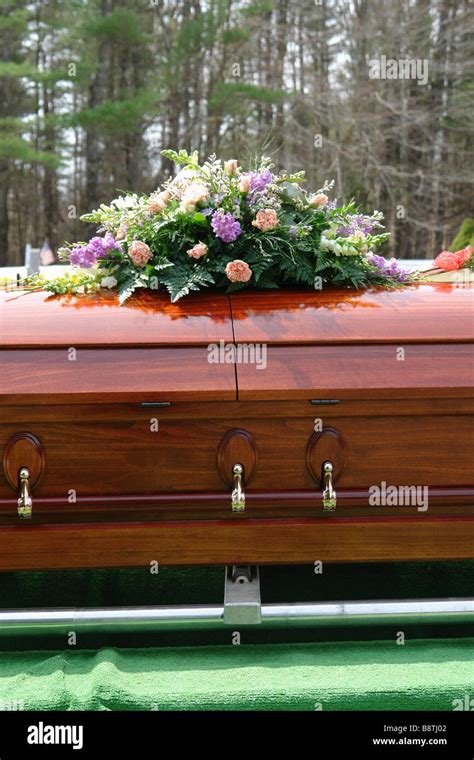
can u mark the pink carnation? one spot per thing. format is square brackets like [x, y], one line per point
[266, 220]
[320, 199]
[195, 193]
[140, 253]
[238, 271]
[197, 251]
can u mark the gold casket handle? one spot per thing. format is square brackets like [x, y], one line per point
[329, 494]
[238, 495]
[25, 501]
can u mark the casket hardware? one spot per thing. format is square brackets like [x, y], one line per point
[25, 502]
[242, 600]
[159, 404]
[238, 495]
[329, 494]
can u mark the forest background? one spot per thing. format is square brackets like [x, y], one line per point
[376, 95]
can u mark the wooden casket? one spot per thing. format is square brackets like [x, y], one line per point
[281, 426]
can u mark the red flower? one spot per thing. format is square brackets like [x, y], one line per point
[464, 254]
[450, 261]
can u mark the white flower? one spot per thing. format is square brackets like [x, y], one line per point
[324, 243]
[125, 202]
[108, 282]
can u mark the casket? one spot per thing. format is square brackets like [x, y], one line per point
[283, 426]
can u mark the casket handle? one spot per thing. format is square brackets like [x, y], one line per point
[25, 502]
[329, 494]
[238, 495]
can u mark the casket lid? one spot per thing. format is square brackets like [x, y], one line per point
[320, 343]
[408, 342]
[36, 318]
[424, 313]
[89, 349]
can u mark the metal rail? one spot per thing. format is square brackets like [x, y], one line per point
[41, 622]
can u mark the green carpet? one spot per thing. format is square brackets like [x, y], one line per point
[422, 675]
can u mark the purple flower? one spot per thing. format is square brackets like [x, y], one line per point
[86, 256]
[225, 226]
[258, 183]
[357, 223]
[389, 268]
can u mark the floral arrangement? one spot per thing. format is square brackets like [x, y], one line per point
[215, 224]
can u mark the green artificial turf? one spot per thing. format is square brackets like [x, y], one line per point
[421, 675]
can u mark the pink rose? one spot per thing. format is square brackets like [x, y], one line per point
[230, 166]
[244, 184]
[140, 253]
[195, 193]
[266, 220]
[238, 271]
[156, 204]
[464, 254]
[450, 261]
[447, 261]
[197, 251]
[320, 199]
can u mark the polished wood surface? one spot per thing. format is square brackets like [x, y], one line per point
[206, 505]
[415, 314]
[325, 445]
[422, 313]
[237, 446]
[41, 319]
[149, 482]
[23, 450]
[47, 376]
[118, 449]
[223, 543]
[344, 372]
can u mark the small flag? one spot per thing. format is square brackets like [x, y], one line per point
[46, 254]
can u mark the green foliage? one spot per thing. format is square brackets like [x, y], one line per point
[77, 282]
[181, 280]
[15, 147]
[258, 9]
[465, 236]
[121, 25]
[117, 116]
[235, 35]
[229, 95]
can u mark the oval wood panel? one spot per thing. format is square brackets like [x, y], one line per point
[325, 445]
[237, 447]
[23, 450]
